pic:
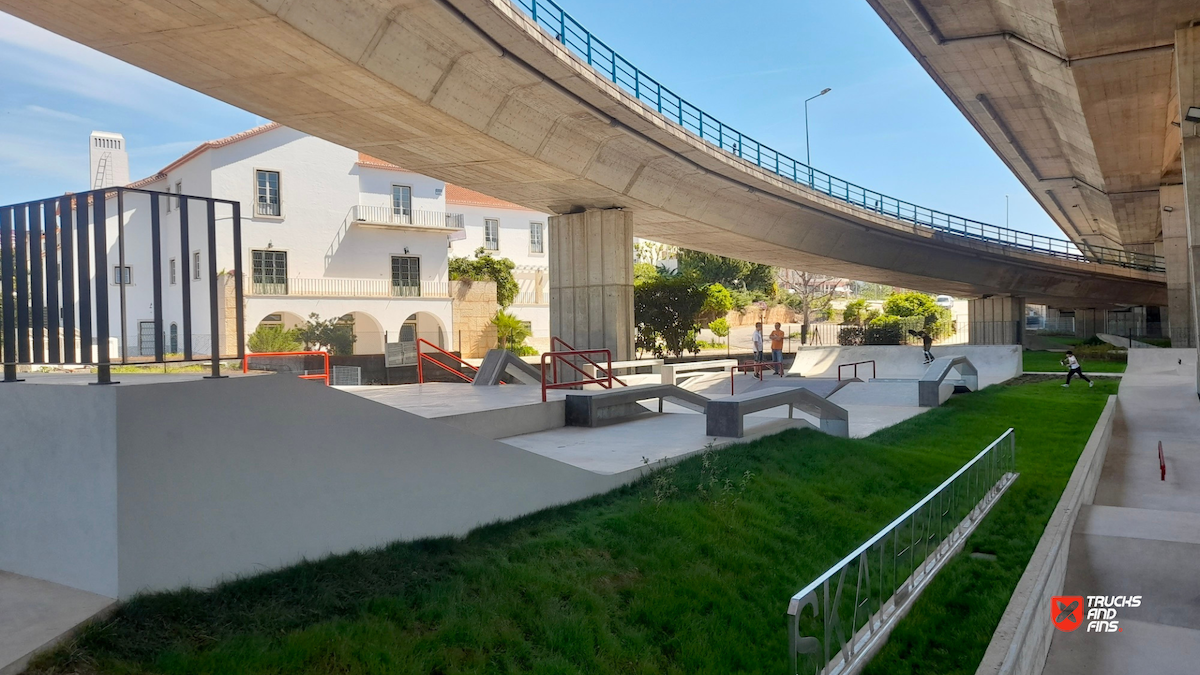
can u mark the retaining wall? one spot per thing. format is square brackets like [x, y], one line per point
[1022, 640]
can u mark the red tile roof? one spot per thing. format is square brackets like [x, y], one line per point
[207, 145]
[464, 197]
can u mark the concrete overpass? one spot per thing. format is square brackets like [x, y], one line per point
[1087, 102]
[533, 109]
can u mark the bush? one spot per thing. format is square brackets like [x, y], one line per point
[266, 339]
[717, 302]
[666, 311]
[851, 336]
[335, 336]
[720, 327]
[854, 312]
[510, 332]
[885, 330]
[1101, 352]
[487, 268]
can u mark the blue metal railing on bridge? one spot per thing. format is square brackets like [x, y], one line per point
[608, 63]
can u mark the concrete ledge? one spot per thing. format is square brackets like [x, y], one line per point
[933, 389]
[1022, 640]
[726, 416]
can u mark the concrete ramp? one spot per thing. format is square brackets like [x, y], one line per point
[500, 362]
[1164, 361]
[995, 364]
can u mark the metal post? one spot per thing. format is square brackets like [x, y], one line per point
[121, 275]
[20, 240]
[52, 274]
[156, 273]
[82, 265]
[10, 312]
[238, 290]
[100, 253]
[67, 272]
[214, 298]
[36, 285]
[185, 284]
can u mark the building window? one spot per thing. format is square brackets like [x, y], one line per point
[491, 234]
[178, 191]
[402, 203]
[168, 199]
[268, 193]
[174, 338]
[171, 271]
[536, 241]
[196, 265]
[269, 272]
[406, 276]
[117, 276]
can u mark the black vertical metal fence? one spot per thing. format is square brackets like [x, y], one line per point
[56, 278]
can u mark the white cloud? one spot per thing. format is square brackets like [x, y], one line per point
[61, 161]
[58, 114]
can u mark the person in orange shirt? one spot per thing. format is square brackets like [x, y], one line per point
[777, 349]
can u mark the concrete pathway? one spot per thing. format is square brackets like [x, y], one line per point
[35, 613]
[1142, 534]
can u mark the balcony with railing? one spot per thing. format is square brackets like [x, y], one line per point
[336, 287]
[401, 218]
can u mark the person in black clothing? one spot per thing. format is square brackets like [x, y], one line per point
[926, 342]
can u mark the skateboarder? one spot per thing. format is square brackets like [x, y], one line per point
[1073, 369]
[926, 342]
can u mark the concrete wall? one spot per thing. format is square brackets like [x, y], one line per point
[474, 307]
[58, 485]
[995, 363]
[998, 320]
[1022, 640]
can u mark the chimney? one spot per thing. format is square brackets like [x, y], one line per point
[109, 160]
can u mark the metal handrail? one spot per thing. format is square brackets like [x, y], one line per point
[325, 355]
[391, 215]
[555, 340]
[421, 356]
[936, 527]
[555, 357]
[1162, 462]
[856, 364]
[612, 66]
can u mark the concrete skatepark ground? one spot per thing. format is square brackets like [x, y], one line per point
[1142, 534]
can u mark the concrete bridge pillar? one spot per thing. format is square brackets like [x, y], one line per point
[1088, 322]
[1187, 69]
[1177, 253]
[997, 320]
[591, 280]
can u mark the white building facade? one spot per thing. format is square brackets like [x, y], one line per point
[325, 230]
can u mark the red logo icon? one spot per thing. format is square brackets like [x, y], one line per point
[1066, 612]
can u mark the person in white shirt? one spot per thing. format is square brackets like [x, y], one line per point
[1072, 364]
[757, 338]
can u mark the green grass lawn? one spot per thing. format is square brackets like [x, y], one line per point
[657, 577]
[1049, 362]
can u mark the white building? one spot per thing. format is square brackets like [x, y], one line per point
[108, 160]
[325, 230]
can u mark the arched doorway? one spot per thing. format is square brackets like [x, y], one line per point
[368, 332]
[258, 341]
[402, 349]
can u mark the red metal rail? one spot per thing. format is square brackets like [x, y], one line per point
[421, 356]
[557, 341]
[757, 368]
[555, 357]
[1162, 462]
[246, 363]
[856, 364]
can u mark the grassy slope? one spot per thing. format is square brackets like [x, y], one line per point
[617, 584]
[1049, 362]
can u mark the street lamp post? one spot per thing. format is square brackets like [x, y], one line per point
[807, 147]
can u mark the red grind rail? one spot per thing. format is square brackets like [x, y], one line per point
[1162, 462]
[756, 368]
[421, 357]
[555, 357]
[856, 364]
[247, 357]
[557, 341]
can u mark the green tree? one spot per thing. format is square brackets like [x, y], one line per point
[485, 267]
[854, 311]
[666, 311]
[266, 339]
[912, 304]
[643, 271]
[729, 272]
[334, 335]
[511, 332]
[717, 303]
[719, 327]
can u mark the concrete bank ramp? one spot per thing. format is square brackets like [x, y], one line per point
[208, 479]
[499, 363]
[995, 363]
[1161, 361]
[1124, 342]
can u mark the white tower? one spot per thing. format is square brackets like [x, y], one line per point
[109, 160]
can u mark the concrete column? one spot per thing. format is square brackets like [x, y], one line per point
[591, 281]
[1088, 322]
[1187, 69]
[998, 320]
[1176, 252]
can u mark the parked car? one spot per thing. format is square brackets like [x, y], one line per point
[945, 301]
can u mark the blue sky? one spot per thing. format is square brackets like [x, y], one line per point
[885, 125]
